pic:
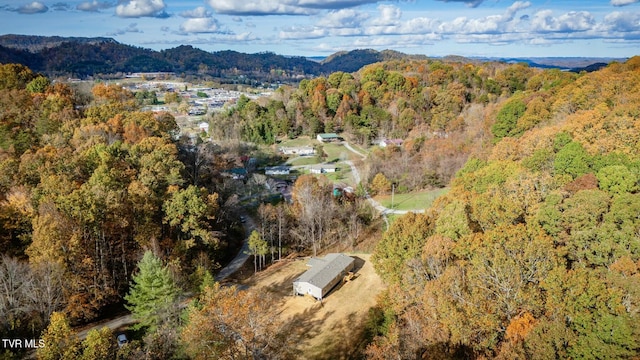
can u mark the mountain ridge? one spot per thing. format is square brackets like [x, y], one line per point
[98, 56]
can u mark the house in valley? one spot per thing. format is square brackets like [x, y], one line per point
[298, 150]
[277, 170]
[323, 169]
[324, 275]
[328, 137]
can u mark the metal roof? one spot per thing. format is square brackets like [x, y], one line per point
[328, 136]
[324, 270]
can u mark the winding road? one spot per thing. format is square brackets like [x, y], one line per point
[356, 176]
[243, 253]
[224, 273]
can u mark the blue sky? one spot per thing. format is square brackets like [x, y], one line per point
[566, 28]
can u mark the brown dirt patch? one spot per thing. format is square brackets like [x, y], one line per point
[332, 329]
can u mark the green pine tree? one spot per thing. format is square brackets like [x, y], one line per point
[153, 293]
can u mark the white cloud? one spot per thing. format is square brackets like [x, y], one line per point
[216, 39]
[404, 41]
[259, 7]
[199, 12]
[200, 25]
[282, 7]
[141, 8]
[93, 6]
[621, 22]
[544, 21]
[514, 8]
[492, 24]
[302, 32]
[344, 18]
[35, 7]
[623, 2]
[330, 4]
[470, 3]
[60, 6]
[389, 15]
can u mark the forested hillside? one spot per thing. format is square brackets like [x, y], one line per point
[443, 111]
[105, 57]
[535, 251]
[89, 183]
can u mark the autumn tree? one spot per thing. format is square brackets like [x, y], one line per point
[403, 241]
[380, 184]
[189, 211]
[99, 345]
[60, 341]
[313, 208]
[233, 324]
[258, 247]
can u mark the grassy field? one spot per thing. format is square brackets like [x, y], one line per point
[302, 160]
[343, 175]
[301, 141]
[335, 152]
[411, 201]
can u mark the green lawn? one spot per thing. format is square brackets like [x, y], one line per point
[303, 160]
[411, 201]
[337, 152]
[301, 141]
[343, 175]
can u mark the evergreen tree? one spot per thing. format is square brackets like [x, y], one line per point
[153, 293]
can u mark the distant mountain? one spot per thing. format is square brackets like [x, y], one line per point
[351, 61]
[574, 64]
[99, 56]
[36, 43]
[83, 57]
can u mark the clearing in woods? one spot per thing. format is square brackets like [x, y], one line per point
[334, 328]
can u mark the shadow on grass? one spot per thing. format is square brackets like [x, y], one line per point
[347, 341]
[302, 328]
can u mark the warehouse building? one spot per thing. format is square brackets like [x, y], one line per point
[324, 275]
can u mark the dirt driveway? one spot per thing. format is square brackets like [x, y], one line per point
[332, 329]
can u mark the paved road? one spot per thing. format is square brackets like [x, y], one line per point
[356, 176]
[225, 272]
[112, 324]
[243, 254]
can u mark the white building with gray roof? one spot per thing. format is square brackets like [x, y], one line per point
[324, 275]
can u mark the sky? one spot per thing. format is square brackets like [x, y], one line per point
[483, 28]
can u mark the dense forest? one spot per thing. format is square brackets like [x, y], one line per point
[89, 184]
[105, 57]
[533, 253]
[443, 110]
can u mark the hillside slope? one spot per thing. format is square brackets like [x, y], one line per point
[535, 251]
